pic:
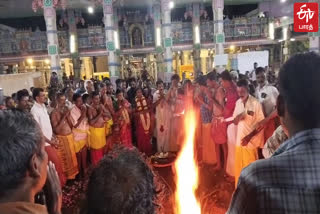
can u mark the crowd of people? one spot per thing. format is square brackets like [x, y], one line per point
[240, 119]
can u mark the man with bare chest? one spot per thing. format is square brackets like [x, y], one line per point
[107, 103]
[61, 125]
[97, 115]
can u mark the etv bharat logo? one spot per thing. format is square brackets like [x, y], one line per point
[306, 17]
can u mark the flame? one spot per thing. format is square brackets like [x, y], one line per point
[187, 170]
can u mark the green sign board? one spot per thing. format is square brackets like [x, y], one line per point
[159, 49]
[47, 3]
[52, 49]
[111, 46]
[219, 38]
[168, 42]
[108, 1]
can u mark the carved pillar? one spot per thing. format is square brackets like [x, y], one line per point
[110, 40]
[52, 36]
[219, 38]
[196, 37]
[167, 42]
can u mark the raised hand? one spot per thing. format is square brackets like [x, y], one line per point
[53, 190]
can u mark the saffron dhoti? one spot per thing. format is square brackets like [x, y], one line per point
[67, 156]
[97, 144]
[244, 156]
[208, 145]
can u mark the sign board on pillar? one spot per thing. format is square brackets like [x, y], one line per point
[108, 1]
[168, 42]
[110, 46]
[219, 38]
[47, 3]
[52, 50]
[220, 60]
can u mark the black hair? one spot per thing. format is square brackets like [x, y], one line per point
[226, 76]
[202, 80]
[212, 76]
[187, 81]
[21, 94]
[119, 91]
[243, 83]
[59, 95]
[118, 81]
[159, 82]
[36, 92]
[75, 97]
[7, 100]
[95, 93]
[102, 85]
[260, 70]
[175, 77]
[21, 138]
[122, 183]
[132, 80]
[85, 97]
[299, 86]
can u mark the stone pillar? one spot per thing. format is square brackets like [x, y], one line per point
[167, 42]
[204, 57]
[219, 38]
[110, 40]
[196, 37]
[158, 39]
[52, 36]
[75, 52]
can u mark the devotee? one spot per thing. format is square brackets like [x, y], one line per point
[52, 95]
[149, 86]
[267, 96]
[10, 103]
[163, 118]
[110, 99]
[172, 99]
[205, 101]
[293, 186]
[143, 123]
[62, 127]
[107, 103]
[97, 139]
[247, 113]
[80, 130]
[132, 91]
[219, 126]
[122, 183]
[23, 101]
[252, 74]
[88, 84]
[87, 100]
[40, 114]
[69, 96]
[231, 97]
[24, 168]
[123, 112]
[81, 90]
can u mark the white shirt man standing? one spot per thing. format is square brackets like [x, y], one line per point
[40, 114]
[248, 112]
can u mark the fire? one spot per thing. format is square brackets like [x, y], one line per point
[187, 170]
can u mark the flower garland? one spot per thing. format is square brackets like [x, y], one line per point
[145, 124]
[125, 116]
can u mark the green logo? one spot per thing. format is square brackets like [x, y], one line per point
[52, 50]
[108, 1]
[47, 3]
[110, 46]
[168, 42]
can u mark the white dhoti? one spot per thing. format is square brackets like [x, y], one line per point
[232, 139]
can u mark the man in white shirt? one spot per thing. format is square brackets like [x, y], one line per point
[267, 96]
[248, 112]
[40, 114]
